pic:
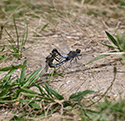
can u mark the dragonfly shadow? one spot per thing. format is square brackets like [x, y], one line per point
[56, 59]
[94, 67]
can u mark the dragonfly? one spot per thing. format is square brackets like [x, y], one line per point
[49, 63]
[62, 58]
[56, 58]
[69, 57]
[50, 59]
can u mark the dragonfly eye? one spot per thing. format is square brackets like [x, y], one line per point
[54, 50]
[78, 50]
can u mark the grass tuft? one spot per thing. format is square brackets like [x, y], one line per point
[16, 46]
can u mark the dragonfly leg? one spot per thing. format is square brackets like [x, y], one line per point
[71, 61]
[77, 58]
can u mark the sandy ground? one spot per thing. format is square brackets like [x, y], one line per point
[79, 79]
[87, 34]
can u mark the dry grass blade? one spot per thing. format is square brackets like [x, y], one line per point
[83, 25]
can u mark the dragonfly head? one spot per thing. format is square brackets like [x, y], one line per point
[78, 50]
[54, 51]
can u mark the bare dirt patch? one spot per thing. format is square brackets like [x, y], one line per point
[83, 26]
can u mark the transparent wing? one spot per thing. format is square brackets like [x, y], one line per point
[79, 61]
[45, 71]
[43, 74]
[61, 45]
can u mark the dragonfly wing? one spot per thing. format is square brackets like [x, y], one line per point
[87, 57]
[61, 45]
[43, 72]
[79, 61]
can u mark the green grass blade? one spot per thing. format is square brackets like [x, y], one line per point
[56, 94]
[29, 94]
[3, 57]
[44, 27]
[109, 46]
[43, 92]
[111, 38]
[33, 80]
[25, 35]
[2, 49]
[12, 67]
[46, 87]
[121, 40]
[35, 105]
[23, 72]
[119, 37]
[9, 8]
[79, 95]
[12, 43]
[97, 58]
[83, 115]
[12, 40]
[40, 89]
[7, 76]
[29, 79]
[92, 114]
[123, 3]
[23, 89]
[3, 92]
[18, 46]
